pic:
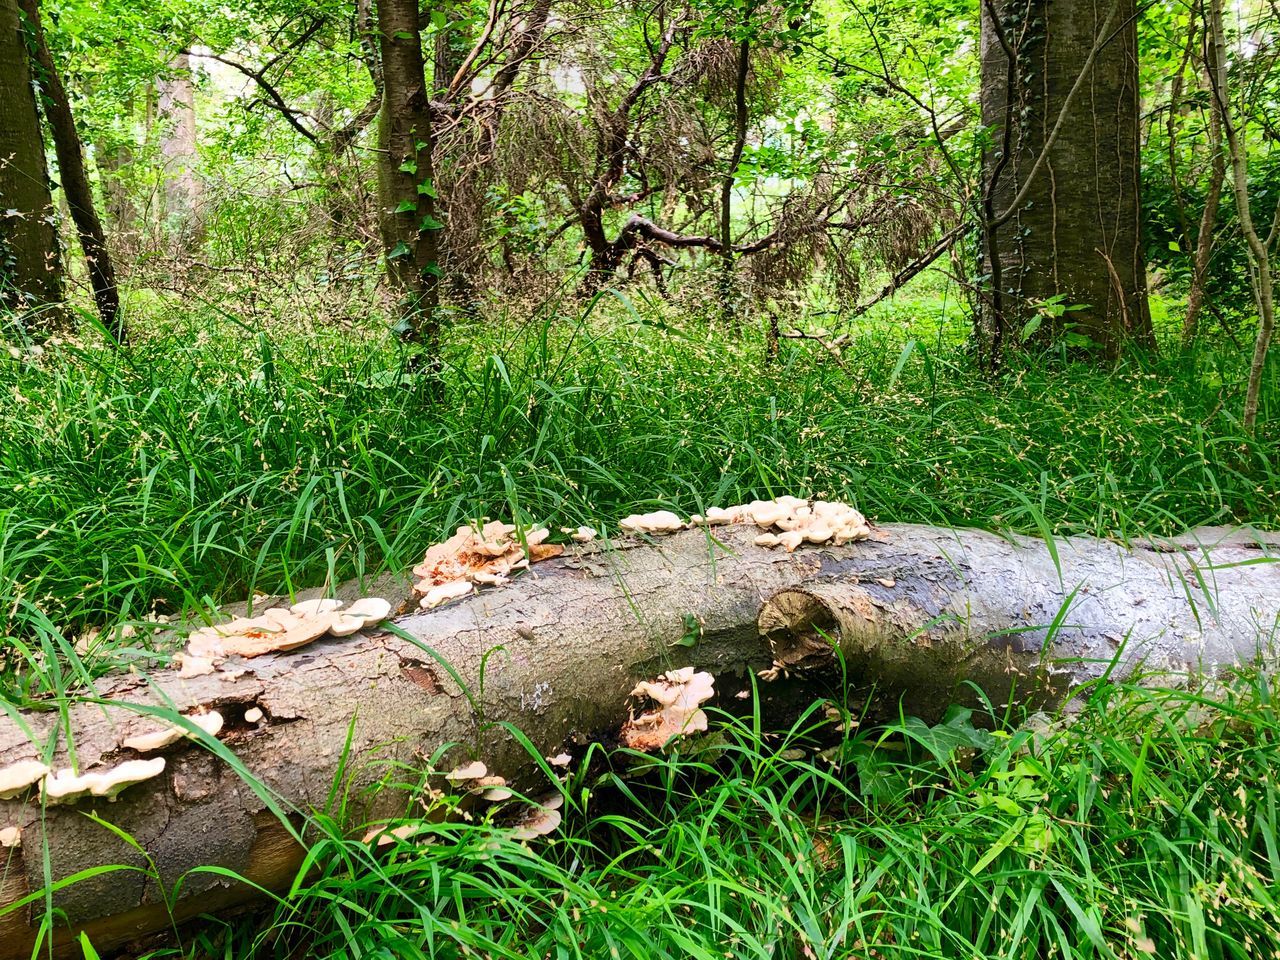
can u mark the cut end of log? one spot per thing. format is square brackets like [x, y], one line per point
[801, 628]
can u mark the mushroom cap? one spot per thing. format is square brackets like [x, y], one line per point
[468, 771]
[342, 625]
[659, 521]
[445, 592]
[17, 777]
[582, 534]
[540, 822]
[372, 610]
[10, 837]
[311, 608]
[253, 715]
[210, 723]
[560, 760]
[791, 539]
[111, 783]
[193, 666]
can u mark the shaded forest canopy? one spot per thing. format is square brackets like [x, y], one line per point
[746, 160]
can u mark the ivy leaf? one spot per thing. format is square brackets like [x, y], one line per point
[431, 223]
[406, 206]
[409, 166]
[427, 188]
[433, 269]
[401, 249]
[403, 35]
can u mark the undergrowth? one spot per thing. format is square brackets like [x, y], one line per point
[211, 460]
[1145, 827]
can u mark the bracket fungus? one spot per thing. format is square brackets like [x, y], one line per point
[210, 723]
[66, 786]
[278, 630]
[483, 556]
[17, 777]
[540, 819]
[679, 695]
[11, 837]
[790, 521]
[659, 521]
[580, 534]
[474, 770]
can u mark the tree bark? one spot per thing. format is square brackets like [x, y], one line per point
[1208, 221]
[176, 109]
[919, 615]
[1259, 254]
[728, 305]
[30, 266]
[75, 180]
[406, 186]
[1065, 209]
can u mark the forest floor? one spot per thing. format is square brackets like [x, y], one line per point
[215, 459]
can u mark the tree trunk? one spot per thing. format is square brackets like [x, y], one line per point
[176, 108]
[1208, 222]
[406, 188]
[75, 181]
[30, 267]
[1259, 254]
[728, 295]
[1065, 213]
[921, 616]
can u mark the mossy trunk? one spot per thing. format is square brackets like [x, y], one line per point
[922, 617]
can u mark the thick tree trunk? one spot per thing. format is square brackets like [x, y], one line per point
[30, 268]
[406, 186]
[75, 181]
[1066, 197]
[176, 108]
[918, 614]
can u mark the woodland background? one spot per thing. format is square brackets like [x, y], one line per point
[291, 289]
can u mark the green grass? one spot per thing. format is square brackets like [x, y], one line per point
[212, 460]
[1146, 828]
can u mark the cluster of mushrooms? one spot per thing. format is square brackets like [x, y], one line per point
[277, 630]
[787, 521]
[679, 695]
[479, 556]
[67, 786]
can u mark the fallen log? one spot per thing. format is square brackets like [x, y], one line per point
[921, 617]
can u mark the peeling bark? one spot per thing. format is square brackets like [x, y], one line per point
[918, 614]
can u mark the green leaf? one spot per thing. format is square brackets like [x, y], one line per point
[431, 223]
[692, 632]
[401, 249]
[403, 35]
[406, 206]
[427, 188]
[409, 166]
